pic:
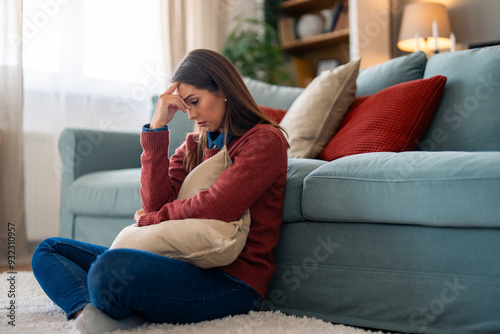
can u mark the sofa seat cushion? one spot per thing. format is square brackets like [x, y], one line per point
[112, 193]
[460, 189]
[298, 169]
[116, 193]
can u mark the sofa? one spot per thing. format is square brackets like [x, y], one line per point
[399, 241]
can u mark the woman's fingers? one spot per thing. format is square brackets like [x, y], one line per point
[177, 103]
[170, 90]
[168, 104]
[138, 215]
[175, 100]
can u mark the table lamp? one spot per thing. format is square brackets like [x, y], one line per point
[424, 26]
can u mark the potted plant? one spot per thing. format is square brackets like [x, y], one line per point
[253, 46]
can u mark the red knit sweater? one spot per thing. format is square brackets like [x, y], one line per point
[255, 180]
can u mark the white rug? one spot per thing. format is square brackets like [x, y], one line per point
[36, 313]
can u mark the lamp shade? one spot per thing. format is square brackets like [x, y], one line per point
[417, 27]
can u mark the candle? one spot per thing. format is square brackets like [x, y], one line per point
[435, 34]
[417, 48]
[453, 42]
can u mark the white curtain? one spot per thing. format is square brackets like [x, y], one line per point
[12, 214]
[87, 63]
[91, 63]
[94, 63]
[192, 24]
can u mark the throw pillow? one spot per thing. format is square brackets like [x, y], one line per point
[393, 120]
[205, 243]
[315, 115]
[275, 114]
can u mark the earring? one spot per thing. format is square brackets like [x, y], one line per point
[225, 100]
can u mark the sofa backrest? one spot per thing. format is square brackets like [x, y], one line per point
[468, 117]
[373, 79]
[274, 96]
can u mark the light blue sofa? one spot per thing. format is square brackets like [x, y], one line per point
[404, 242]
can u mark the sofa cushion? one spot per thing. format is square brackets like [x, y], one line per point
[116, 193]
[405, 68]
[468, 118]
[316, 114]
[298, 169]
[424, 188]
[270, 95]
[392, 120]
[113, 193]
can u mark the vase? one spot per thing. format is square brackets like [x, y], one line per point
[309, 25]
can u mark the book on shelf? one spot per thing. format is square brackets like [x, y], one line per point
[339, 16]
[343, 17]
[335, 14]
[286, 30]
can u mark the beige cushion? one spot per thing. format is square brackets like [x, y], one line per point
[205, 243]
[316, 114]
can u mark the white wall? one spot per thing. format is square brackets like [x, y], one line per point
[370, 31]
[475, 21]
[245, 8]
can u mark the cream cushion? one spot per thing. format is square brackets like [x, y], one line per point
[205, 243]
[316, 114]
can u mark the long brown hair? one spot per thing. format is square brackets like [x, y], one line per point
[207, 69]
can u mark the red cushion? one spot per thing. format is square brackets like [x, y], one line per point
[393, 120]
[276, 115]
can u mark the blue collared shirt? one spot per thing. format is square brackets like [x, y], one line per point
[216, 140]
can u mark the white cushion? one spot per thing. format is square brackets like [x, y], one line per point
[316, 114]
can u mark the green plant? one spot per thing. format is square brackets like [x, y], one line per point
[253, 46]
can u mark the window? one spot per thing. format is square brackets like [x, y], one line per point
[113, 40]
[90, 62]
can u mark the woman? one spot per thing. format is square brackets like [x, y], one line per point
[113, 289]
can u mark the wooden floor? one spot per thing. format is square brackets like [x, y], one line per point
[18, 268]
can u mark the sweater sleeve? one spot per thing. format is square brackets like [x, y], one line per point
[161, 177]
[260, 159]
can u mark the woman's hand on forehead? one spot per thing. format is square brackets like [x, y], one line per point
[168, 104]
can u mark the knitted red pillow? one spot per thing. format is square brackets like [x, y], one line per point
[276, 115]
[392, 120]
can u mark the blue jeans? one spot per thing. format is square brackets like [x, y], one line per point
[123, 282]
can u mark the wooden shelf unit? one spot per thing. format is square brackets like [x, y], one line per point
[306, 53]
[322, 40]
[298, 7]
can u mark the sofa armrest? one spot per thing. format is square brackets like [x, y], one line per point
[88, 150]
[85, 151]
